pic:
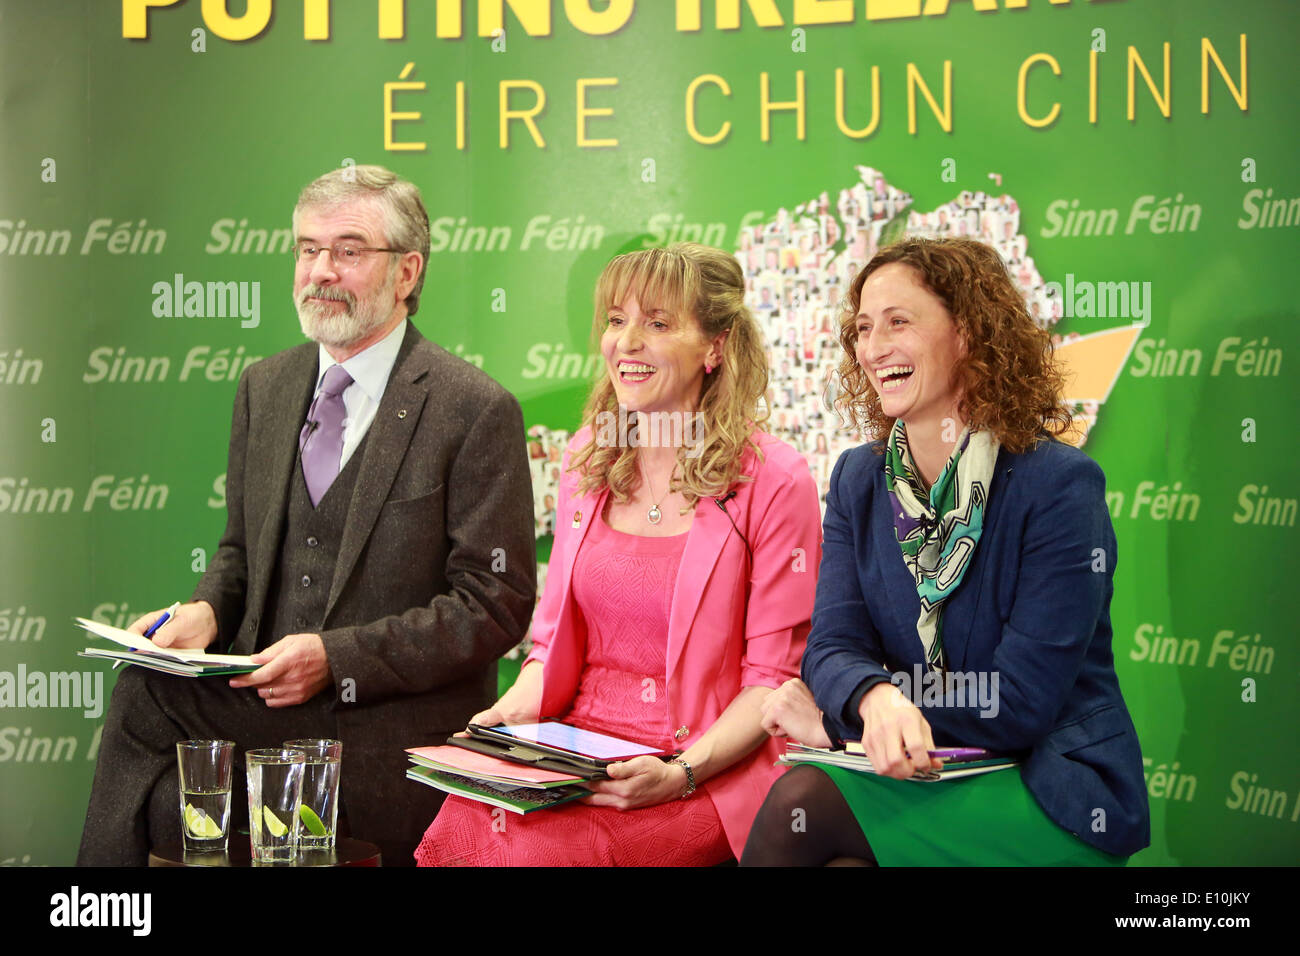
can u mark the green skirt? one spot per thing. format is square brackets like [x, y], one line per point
[986, 820]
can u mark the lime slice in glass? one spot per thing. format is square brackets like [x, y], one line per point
[311, 821]
[199, 824]
[273, 824]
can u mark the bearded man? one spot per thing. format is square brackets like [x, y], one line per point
[378, 552]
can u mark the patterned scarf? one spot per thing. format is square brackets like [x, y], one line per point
[938, 532]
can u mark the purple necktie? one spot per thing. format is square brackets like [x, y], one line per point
[321, 441]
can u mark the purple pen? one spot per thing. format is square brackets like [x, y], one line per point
[962, 753]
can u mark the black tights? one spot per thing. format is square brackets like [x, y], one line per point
[805, 822]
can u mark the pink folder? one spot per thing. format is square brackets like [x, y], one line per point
[472, 764]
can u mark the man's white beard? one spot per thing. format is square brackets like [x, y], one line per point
[342, 328]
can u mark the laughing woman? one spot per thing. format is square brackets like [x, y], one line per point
[969, 542]
[680, 585]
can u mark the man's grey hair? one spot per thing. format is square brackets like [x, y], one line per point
[406, 223]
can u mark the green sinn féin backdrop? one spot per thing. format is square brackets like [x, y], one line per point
[1132, 160]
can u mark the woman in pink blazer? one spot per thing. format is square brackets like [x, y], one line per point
[680, 588]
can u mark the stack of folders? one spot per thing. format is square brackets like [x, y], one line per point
[957, 761]
[134, 649]
[523, 767]
[516, 787]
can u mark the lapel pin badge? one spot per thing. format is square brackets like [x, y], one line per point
[577, 519]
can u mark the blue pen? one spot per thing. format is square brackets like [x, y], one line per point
[167, 616]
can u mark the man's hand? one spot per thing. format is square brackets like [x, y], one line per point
[295, 669]
[895, 734]
[193, 626]
[639, 782]
[790, 711]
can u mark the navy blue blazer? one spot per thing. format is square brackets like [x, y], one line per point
[1034, 607]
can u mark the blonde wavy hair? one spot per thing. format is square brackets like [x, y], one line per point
[1009, 381]
[706, 284]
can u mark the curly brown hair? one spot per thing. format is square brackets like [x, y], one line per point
[1009, 382]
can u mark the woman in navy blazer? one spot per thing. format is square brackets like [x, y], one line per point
[1018, 575]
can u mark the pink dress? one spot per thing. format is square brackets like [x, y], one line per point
[623, 584]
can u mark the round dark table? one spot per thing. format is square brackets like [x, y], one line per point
[347, 852]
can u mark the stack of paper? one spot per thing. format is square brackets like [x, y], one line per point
[971, 762]
[143, 652]
[518, 788]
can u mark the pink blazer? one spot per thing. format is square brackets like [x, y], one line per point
[730, 625]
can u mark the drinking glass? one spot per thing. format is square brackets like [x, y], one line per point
[318, 815]
[204, 767]
[274, 796]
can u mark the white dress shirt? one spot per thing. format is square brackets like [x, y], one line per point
[369, 370]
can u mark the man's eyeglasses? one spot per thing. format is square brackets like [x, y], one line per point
[344, 255]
